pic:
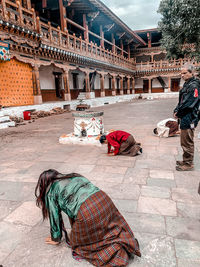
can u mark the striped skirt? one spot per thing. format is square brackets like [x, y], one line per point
[129, 147]
[101, 235]
[173, 127]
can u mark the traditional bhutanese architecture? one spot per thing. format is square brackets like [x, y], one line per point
[54, 50]
[155, 74]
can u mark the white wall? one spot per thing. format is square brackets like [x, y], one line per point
[80, 77]
[47, 80]
[106, 82]
[166, 80]
[139, 83]
[97, 83]
[156, 83]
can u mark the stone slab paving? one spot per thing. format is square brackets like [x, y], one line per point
[161, 182]
[160, 204]
[162, 174]
[188, 210]
[156, 205]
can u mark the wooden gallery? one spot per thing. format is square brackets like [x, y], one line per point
[54, 50]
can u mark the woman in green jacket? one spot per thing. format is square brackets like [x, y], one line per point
[99, 232]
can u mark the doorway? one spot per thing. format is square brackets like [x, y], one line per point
[175, 84]
[58, 84]
[145, 86]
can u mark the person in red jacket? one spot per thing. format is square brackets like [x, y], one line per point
[123, 143]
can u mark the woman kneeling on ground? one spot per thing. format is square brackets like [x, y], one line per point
[122, 142]
[99, 232]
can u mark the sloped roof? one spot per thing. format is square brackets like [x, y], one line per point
[87, 6]
[116, 19]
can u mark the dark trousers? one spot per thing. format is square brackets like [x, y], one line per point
[187, 144]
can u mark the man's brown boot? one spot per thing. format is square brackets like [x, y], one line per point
[185, 167]
[179, 163]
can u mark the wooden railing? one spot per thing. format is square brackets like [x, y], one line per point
[12, 12]
[52, 36]
[164, 64]
[147, 49]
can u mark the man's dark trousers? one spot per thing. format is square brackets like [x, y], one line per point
[187, 144]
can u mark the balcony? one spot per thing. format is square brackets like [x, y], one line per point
[52, 36]
[15, 16]
[162, 65]
[12, 12]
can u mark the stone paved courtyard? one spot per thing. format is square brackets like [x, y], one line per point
[160, 204]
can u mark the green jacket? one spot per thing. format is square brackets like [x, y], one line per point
[66, 195]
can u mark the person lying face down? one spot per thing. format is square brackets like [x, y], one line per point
[99, 233]
[167, 128]
[122, 142]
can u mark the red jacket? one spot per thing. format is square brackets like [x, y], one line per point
[115, 139]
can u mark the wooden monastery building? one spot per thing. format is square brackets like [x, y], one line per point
[54, 50]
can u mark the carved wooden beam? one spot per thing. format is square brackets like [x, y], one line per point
[130, 41]
[93, 15]
[109, 27]
[121, 35]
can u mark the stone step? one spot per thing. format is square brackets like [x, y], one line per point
[81, 96]
[4, 125]
[4, 118]
[1, 113]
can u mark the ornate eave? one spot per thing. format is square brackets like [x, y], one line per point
[103, 8]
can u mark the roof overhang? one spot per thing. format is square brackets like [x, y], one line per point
[104, 9]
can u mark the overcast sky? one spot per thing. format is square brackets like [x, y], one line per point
[137, 14]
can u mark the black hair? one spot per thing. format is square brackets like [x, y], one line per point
[47, 178]
[102, 139]
[155, 131]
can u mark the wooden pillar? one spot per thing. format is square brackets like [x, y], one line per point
[150, 85]
[128, 86]
[169, 84]
[113, 86]
[50, 32]
[129, 52]
[102, 36]
[121, 86]
[85, 25]
[20, 13]
[133, 85]
[34, 19]
[36, 86]
[67, 94]
[102, 85]
[38, 25]
[63, 21]
[122, 48]
[5, 15]
[28, 4]
[87, 85]
[113, 41]
[149, 39]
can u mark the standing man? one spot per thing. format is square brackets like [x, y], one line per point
[187, 112]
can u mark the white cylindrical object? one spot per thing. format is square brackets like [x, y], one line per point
[88, 123]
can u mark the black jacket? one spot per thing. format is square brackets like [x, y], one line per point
[188, 105]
